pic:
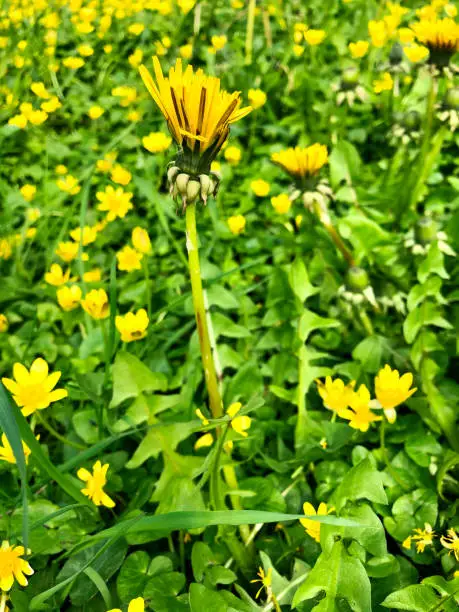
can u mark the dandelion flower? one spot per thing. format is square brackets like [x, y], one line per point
[302, 163]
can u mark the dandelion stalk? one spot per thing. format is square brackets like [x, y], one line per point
[324, 218]
[215, 401]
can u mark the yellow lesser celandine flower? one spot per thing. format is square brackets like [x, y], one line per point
[335, 394]
[69, 184]
[88, 236]
[360, 416]
[33, 214]
[132, 326]
[5, 248]
[40, 90]
[313, 527]
[396, 10]
[440, 36]
[416, 53]
[392, 390]
[92, 276]
[236, 224]
[127, 95]
[120, 175]
[233, 155]
[95, 112]
[73, 62]
[204, 441]
[67, 251]
[129, 259]
[116, 201]
[302, 163]
[260, 187]
[186, 51]
[85, 50]
[314, 37]
[265, 579]
[379, 35]
[28, 192]
[6, 452]
[134, 116]
[257, 98]
[281, 203]
[141, 240]
[106, 164]
[451, 541]
[61, 169]
[156, 142]
[358, 49]
[19, 121]
[135, 59]
[450, 10]
[12, 566]
[56, 276]
[135, 605]
[69, 297]
[3, 324]
[405, 35]
[95, 483]
[218, 42]
[199, 414]
[186, 5]
[96, 304]
[198, 112]
[240, 424]
[385, 83]
[136, 28]
[298, 50]
[33, 389]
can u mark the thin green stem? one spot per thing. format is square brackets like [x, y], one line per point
[56, 434]
[250, 29]
[324, 218]
[390, 469]
[216, 405]
[146, 273]
[231, 481]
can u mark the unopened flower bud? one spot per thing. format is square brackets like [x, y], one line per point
[206, 186]
[426, 230]
[396, 54]
[412, 120]
[357, 279]
[452, 98]
[350, 78]
[181, 182]
[172, 173]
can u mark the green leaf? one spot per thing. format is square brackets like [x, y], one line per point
[430, 288]
[202, 598]
[160, 437]
[133, 576]
[420, 447]
[201, 558]
[427, 313]
[345, 163]
[131, 377]
[341, 578]
[224, 326]
[310, 321]
[363, 481]
[371, 352]
[433, 264]
[299, 280]
[422, 598]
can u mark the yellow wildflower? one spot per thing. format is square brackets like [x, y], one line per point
[89, 234]
[186, 51]
[281, 203]
[51, 105]
[385, 83]
[92, 276]
[120, 175]
[85, 50]
[392, 390]
[438, 35]
[135, 59]
[314, 37]
[156, 142]
[313, 527]
[405, 35]
[378, 33]
[106, 164]
[3, 323]
[67, 251]
[298, 50]
[335, 394]
[265, 579]
[12, 566]
[19, 121]
[95, 483]
[233, 155]
[136, 28]
[199, 414]
[129, 259]
[69, 297]
[257, 98]
[240, 424]
[451, 541]
[218, 42]
[132, 326]
[96, 304]
[33, 390]
[69, 184]
[95, 112]
[73, 62]
[207, 111]
[135, 605]
[358, 49]
[301, 163]
[204, 441]
[416, 53]
[56, 275]
[141, 240]
[61, 169]
[28, 192]
[236, 224]
[116, 202]
[6, 452]
[260, 187]
[40, 90]
[360, 416]
[423, 537]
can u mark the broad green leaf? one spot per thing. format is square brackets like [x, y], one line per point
[133, 576]
[310, 321]
[131, 377]
[371, 352]
[202, 598]
[341, 578]
[433, 264]
[430, 288]
[299, 280]
[427, 313]
[224, 326]
[363, 481]
[422, 598]
[159, 438]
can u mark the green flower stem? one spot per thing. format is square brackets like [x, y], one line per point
[301, 397]
[216, 405]
[390, 469]
[42, 419]
[231, 480]
[250, 28]
[146, 273]
[324, 218]
[3, 601]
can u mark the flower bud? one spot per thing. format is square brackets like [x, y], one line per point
[206, 186]
[412, 120]
[396, 54]
[452, 98]
[350, 78]
[357, 279]
[181, 183]
[172, 173]
[426, 230]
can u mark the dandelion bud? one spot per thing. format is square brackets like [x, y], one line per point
[452, 98]
[193, 190]
[412, 120]
[172, 173]
[396, 54]
[206, 186]
[357, 279]
[181, 183]
[426, 230]
[350, 78]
